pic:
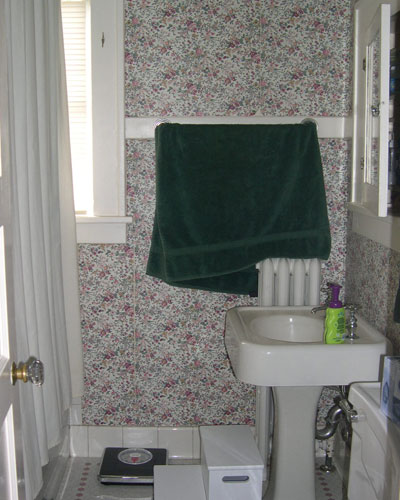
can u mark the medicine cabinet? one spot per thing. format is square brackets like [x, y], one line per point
[376, 108]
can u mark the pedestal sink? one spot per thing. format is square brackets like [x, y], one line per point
[283, 348]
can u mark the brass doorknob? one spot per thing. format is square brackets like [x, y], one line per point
[31, 371]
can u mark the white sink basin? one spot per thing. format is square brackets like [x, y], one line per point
[284, 346]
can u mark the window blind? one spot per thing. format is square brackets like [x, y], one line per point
[74, 21]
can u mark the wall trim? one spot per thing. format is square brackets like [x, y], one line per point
[328, 127]
[101, 229]
[181, 442]
[383, 230]
[91, 440]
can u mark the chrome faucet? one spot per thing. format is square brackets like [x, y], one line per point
[352, 323]
[318, 308]
[328, 291]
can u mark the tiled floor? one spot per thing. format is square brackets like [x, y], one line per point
[80, 483]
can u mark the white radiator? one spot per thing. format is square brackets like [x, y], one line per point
[282, 282]
[289, 282]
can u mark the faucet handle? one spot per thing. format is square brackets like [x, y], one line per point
[349, 412]
[353, 308]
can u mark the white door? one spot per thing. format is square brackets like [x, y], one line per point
[11, 483]
[11, 466]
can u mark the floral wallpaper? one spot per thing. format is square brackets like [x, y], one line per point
[154, 354]
[373, 274]
[237, 57]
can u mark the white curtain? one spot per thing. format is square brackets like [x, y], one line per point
[45, 256]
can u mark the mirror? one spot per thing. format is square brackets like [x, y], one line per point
[376, 148]
[394, 118]
[372, 112]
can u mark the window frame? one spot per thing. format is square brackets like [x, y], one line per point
[108, 222]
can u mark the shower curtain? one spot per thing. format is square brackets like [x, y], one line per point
[45, 254]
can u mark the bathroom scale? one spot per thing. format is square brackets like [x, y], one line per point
[130, 465]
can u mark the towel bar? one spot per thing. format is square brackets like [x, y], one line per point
[310, 120]
[328, 127]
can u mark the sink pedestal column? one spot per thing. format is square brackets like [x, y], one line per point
[293, 449]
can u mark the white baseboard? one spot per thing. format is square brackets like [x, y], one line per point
[181, 442]
[90, 441]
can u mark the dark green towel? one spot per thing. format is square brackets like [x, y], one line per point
[229, 196]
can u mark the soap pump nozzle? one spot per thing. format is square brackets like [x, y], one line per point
[332, 299]
[335, 303]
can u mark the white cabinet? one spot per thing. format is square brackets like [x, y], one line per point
[376, 170]
[371, 106]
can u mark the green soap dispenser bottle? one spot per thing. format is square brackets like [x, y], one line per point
[335, 322]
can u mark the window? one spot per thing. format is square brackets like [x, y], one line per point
[94, 49]
[76, 48]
